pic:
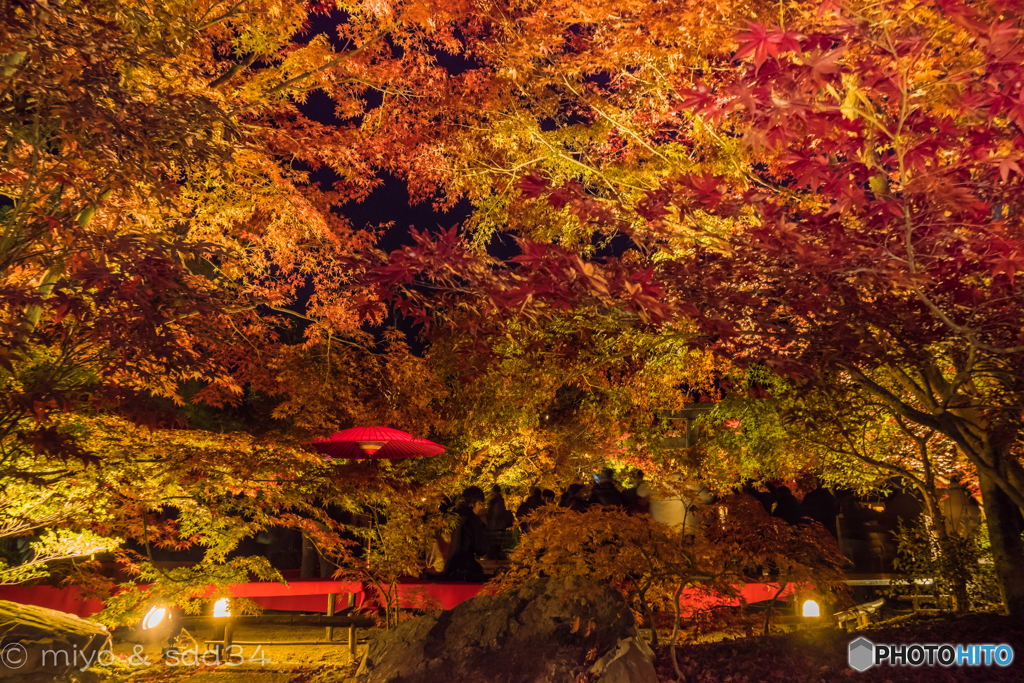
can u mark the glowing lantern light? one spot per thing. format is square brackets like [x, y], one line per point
[222, 608]
[811, 609]
[370, 447]
[153, 617]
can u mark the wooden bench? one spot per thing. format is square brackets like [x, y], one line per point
[330, 621]
[862, 613]
[941, 601]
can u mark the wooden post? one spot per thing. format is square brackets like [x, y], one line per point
[330, 613]
[352, 628]
[224, 634]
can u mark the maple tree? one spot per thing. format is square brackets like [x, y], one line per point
[551, 403]
[846, 437]
[404, 521]
[163, 242]
[689, 573]
[833, 191]
[159, 197]
[578, 94]
[867, 225]
[167, 489]
[881, 253]
[768, 429]
[357, 381]
[181, 490]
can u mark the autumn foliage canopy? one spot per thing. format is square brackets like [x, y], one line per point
[827, 192]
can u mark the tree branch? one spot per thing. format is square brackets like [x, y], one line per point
[232, 72]
[227, 15]
[334, 62]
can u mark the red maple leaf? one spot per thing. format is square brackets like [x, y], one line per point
[823, 64]
[532, 186]
[1008, 263]
[763, 42]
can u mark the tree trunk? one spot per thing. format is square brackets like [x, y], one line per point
[771, 606]
[947, 551]
[675, 632]
[1004, 528]
[648, 614]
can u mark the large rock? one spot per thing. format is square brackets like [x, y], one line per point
[631, 661]
[41, 644]
[541, 632]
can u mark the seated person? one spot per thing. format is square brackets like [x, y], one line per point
[499, 521]
[637, 497]
[532, 502]
[575, 498]
[497, 517]
[548, 496]
[604, 492]
[469, 539]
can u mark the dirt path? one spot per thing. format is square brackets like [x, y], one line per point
[255, 659]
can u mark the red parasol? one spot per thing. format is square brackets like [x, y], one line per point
[375, 442]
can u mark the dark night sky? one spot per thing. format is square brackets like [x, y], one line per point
[390, 201]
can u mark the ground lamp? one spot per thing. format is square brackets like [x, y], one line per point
[153, 617]
[222, 608]
[813, 611]
[375, 443]
[224, 627]
[156, 624]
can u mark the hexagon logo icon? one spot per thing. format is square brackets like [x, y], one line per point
[861, 654]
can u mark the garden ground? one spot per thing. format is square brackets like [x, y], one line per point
[801, 657]
[821, 654]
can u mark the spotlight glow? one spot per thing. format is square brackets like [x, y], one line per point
[153, 617]
[222, 608]
[811, 609]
